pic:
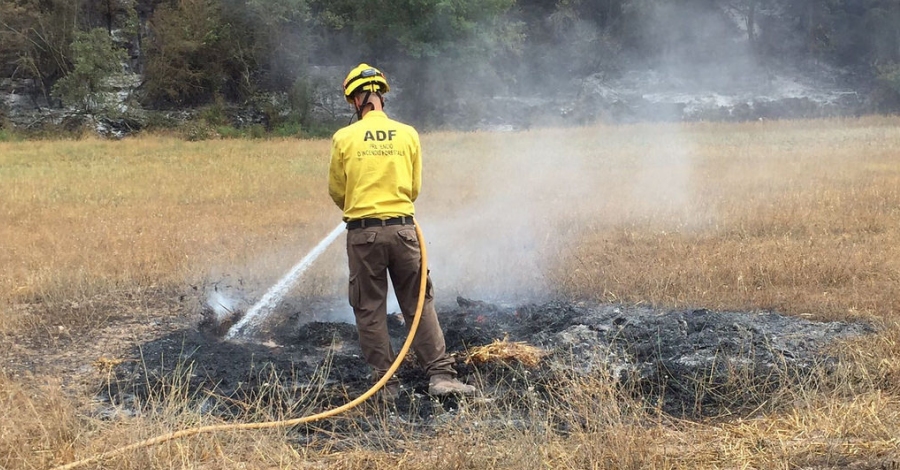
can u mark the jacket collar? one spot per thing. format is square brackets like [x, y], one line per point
[375, 114]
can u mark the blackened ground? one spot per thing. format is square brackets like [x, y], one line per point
[691, 363]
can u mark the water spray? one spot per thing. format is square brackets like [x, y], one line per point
[283, 424]
[273, 296]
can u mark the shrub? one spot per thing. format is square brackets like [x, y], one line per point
[229, 132]
[287, 129]
[256, 131]
[5, 136]
[215, 114]
[197, 130]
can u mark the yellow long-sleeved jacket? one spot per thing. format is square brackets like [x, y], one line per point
[376, 168]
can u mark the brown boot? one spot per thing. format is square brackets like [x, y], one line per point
[445, 384]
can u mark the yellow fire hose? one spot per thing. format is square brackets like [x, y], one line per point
[288, 422]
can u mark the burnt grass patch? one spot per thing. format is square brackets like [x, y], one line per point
[692, 364]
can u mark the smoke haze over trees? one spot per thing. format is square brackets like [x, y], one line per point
[447, 56]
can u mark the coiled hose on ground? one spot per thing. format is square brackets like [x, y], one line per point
[288, 422]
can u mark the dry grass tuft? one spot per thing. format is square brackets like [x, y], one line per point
[506, 352]
[38, 420]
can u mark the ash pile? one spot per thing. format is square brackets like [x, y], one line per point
[687, 363]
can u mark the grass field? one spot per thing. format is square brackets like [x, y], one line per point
[103, 239]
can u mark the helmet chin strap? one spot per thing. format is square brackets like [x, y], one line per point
[366, 103]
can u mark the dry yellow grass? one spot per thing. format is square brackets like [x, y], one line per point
[505, 351]
[85, 219]
[783, 216]
[800, 217]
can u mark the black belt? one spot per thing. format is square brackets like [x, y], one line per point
[363, 223]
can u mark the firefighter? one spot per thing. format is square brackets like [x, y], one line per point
[374, 178]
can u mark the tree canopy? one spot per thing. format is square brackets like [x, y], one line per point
[448, 52]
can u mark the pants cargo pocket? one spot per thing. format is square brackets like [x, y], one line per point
[359, 248]
[353, 292]
[429, 288]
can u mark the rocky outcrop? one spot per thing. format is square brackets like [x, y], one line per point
[21, 102]
[635, 97]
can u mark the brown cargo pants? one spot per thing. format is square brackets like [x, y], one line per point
[373, 252]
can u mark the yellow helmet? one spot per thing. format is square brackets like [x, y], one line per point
[366, 78]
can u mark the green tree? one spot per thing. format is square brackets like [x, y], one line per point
[200, 49]
[112, 15]
[281, 46]
[281, 42]
[34, 39]
[96, 63]
[183, 54]
[442, 49]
